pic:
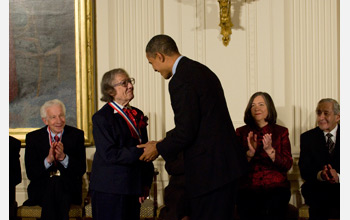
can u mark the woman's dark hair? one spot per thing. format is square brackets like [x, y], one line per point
[272, 114]
[107, 88]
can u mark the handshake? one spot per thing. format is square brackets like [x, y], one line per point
[150, 152]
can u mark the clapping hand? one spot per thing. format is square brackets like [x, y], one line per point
[252, 144]
[56, 152]
[329, 174]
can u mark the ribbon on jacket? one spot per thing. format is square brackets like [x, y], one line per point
[134, 131]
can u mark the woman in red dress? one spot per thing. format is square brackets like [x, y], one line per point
[264, 191]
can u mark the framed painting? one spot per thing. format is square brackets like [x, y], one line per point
[52, 55]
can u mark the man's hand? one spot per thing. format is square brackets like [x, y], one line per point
[329, 174]
[150, 151]
[59, 151]
[51, 157]
[145, 194]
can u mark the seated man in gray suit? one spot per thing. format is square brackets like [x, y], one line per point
[320, 162]
[55, 162]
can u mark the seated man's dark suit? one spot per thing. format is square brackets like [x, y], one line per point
[322, 197]
[15, 176]
[57, 191]
[117, 173]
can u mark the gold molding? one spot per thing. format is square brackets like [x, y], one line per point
[225, 20]
[85, 66]
[85, 61]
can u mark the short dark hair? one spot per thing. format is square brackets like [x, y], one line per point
[272, 113]
[163, 44]
[107, 88]
[336, 106]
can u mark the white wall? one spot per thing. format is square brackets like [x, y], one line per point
[288, 48]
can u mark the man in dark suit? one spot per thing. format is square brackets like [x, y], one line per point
[55, 162]
[319, 162]
[203, 131]
[119, 181]
[15, 176]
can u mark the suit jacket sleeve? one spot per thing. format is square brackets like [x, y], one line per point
[35, 154]
[14, 165]
[147, 167]
[309, 162]
[186, 107]
[73, 143]
[283, 158]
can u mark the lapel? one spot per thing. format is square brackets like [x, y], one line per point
[337, 142]
[321, 142]
[119, 125]
[66, 137]
[43, 141]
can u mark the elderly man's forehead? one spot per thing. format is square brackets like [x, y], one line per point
[324, 105]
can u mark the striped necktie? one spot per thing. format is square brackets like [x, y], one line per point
[330, 143]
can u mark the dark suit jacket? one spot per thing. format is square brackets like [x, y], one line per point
[314, 154]
[37, 149]
[116, 167]
[14, 163]
[15, 175]
[203, 129]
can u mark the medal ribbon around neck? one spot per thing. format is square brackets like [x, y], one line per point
[50, 138]
[51, 141]
[126, 118]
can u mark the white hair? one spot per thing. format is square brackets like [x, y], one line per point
[46, 105]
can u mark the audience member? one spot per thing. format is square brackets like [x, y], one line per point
[265, 191]
[55, 162]
[119, 181]
[319, 162]
[203, 131]
[15, 176]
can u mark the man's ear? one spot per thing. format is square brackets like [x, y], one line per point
[45, 121]
[160, 56]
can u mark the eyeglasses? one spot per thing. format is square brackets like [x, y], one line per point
[125, 83]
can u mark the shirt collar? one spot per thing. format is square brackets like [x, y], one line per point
[53, 134]
[175, 64]
[121, 107]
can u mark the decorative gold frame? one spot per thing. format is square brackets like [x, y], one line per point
[84, 13]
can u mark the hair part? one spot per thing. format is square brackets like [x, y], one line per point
[272, 113]
[50, 103]
[336, 106]
[162, 44]
[107, 88]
